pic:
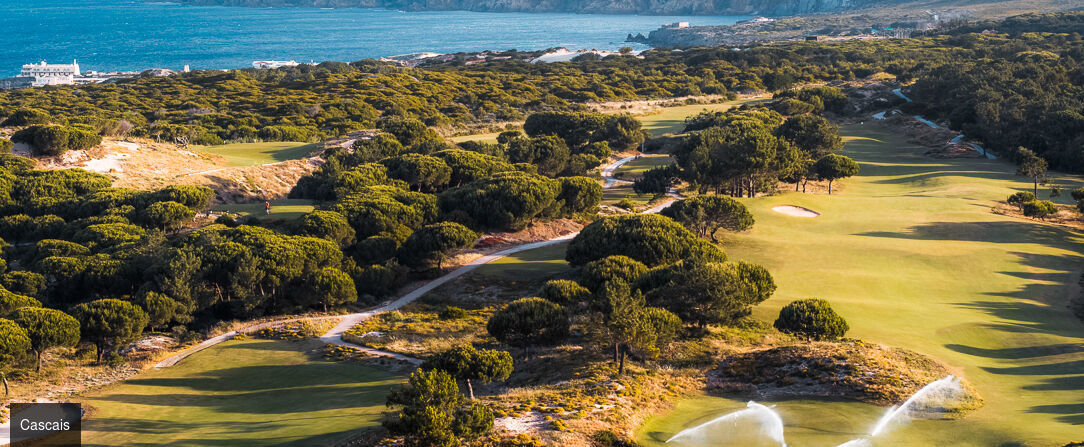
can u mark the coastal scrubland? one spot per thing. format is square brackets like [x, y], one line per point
[919, 271]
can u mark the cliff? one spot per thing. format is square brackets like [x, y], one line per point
[653, 7]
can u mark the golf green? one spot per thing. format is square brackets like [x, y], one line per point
[251, 154]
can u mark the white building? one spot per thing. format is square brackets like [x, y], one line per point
[50, 74]
[273, 64]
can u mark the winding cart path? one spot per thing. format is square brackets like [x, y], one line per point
[334, 336]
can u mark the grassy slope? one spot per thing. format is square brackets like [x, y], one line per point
[284, 209]
[529, 265]
[672, 119]
[911, 255]
[251, 154]
[241, 392]
[636, 168]
[482, 137]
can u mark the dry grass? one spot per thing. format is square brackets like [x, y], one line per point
[146, 164]
[422, 332]
[850, 369]
[1067, 215]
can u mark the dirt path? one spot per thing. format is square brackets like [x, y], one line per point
[334, 336]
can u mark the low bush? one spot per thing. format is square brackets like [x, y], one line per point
[54, 139]
[1019, 199]
[1039, 209]
[811, 318]
[453, 313]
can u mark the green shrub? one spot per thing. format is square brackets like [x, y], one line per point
[791, 106]
[1077, 194]
[54, 139]
[565, 292]
[811, 318]
[611, 268]
[1039, 209]
[607, 438]
[6, 146]
[453, 313]
[26, 117]
[1022, 197]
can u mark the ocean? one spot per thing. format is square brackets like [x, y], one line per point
[129, 34]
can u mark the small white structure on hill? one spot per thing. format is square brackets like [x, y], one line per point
[273, 64]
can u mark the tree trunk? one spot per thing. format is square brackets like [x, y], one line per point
[621, 365]
[830, 187]
[38, 353]
[101, 350]
[796, 184]
[616, 352]
[7, 391]
[470, 389]
[1035, 186]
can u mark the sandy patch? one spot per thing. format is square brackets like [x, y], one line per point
[109, 163]
[530, 422]
[795, 211]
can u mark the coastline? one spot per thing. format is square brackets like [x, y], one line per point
[234, 37]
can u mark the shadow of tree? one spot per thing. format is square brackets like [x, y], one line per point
[227, 429]
[1073, 413]
[1038, 307]
[1066, 383]
[261, 390]
[1016, 353]
[1010, 232]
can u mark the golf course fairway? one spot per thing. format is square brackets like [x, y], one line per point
[911, 255]
[241, 392]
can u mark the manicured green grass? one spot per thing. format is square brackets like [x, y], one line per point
[255, 392]
[482, 137]
[910, 254]
[636, 168]
[611, 196]
[251, 154]
[529, 265]
[671, 120]
[285, 209]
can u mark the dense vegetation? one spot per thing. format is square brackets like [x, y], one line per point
[116, 260]
[748, 151]
[1008, 90]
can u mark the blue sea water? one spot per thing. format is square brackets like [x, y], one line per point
[130, 34]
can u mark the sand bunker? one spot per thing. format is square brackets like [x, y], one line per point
[795, 211]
